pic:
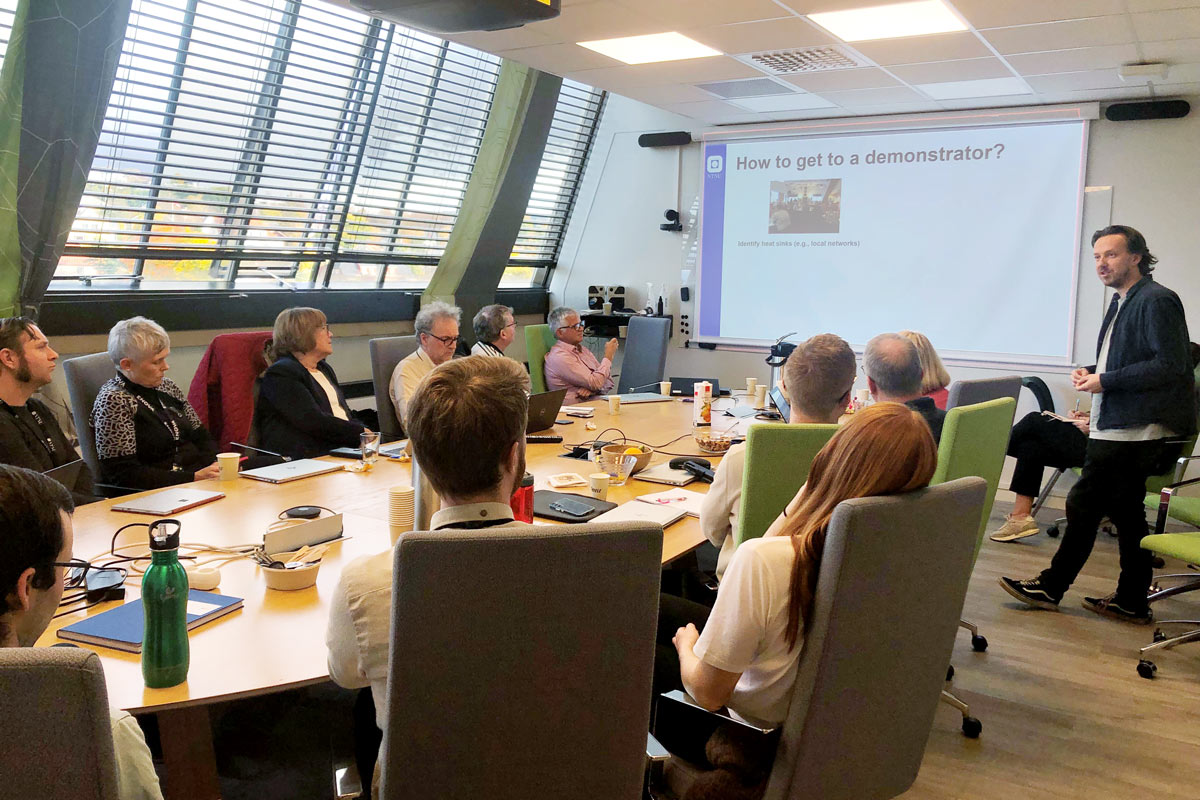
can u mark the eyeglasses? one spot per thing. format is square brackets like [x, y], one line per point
[449, 341]
[77, 570]
[578, 326]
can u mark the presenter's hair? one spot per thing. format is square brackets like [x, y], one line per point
[884, 449]
[431, 313]
[558, 316]
[464, 418]
[295, 331]
[1134, 243]
[819, 374]
[136, 338]
[933, 372]
[32, 529]
[894, 364]
[489, 322]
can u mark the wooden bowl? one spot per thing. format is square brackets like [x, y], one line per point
[642, 459]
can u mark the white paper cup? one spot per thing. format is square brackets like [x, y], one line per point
[606, 308]
[229, 465]
[598, 485]
[664, 388]
[760, 396]
[863, 396]
[751, 385]
[623, 331]
[614, 404]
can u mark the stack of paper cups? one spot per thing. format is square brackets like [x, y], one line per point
[400, 510]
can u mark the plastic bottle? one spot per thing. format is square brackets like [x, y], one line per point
[165, 653]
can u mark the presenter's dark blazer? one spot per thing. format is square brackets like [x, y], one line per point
[293, 415]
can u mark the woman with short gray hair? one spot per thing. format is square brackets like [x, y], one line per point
[147, 434]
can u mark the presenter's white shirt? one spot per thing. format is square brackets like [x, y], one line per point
[330, 393]
[745, 631]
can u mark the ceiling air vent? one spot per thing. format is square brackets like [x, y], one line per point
[802, 61]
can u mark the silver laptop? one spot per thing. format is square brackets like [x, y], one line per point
[662, 473]
[643, 397]
[290, 470]
[169, 501]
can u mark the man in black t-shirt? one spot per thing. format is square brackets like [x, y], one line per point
[29, 434]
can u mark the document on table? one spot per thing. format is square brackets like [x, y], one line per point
[685, 500]
[637, 511]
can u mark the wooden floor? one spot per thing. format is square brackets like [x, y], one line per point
[1064, 712]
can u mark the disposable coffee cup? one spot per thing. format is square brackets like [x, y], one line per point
[863, 396]
[664, 388]
[614, 404]
[598, 485]
[229, 465]
[751, 385]
[760, 396]
[607, 308]
[623, 331]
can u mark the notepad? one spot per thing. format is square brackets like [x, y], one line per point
[123, 627]
[637, 511]
[683, 499]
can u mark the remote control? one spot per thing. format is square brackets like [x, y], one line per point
[549, 438]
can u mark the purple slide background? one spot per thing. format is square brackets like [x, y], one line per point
[712, 243]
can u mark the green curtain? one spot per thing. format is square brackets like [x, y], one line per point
[494, 204]
[58, 74]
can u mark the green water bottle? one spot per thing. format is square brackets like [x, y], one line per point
[164, 603]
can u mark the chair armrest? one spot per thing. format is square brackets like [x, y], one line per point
[1164, 501]
[1181, 465]
[654, 749]
[684, 699]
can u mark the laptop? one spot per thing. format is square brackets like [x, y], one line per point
[781, 403]
[543, 410]
[685, 387]
[662, 473]
[290, 470]
[168, 501]
[632, 398]
[390, 450]
[66, 474]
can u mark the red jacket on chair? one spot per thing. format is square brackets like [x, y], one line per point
[222, 390]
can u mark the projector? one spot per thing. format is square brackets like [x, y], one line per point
[458, 16]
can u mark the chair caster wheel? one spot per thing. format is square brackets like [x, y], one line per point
[972, 727]
[1145, 668]
[1052, 531]
[950, 672]
[1159, 636]
[1157, 562]
[978, 643]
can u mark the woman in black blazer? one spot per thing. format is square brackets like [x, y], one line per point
[301, 411]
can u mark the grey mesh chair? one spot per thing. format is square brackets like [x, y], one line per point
[386, 353]
[85, 375]
[57, 699]
[980, 390]
[523, 662]
[873, 662]
[645, 354]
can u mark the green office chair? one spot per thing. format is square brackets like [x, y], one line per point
[974, 443]
[777, 461]
[538, 341]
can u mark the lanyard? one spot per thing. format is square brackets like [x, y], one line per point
[41, 434]
[167, 418]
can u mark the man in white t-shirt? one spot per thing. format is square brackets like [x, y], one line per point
[817, 380]
[437, 338]
[494, 328]
[37, 541]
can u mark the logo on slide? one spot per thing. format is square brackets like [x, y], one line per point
[715, 163]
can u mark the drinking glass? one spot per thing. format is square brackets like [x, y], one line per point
[368, 443]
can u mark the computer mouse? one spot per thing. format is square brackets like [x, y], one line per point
[677, 463]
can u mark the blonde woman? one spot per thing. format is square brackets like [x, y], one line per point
[934, 377]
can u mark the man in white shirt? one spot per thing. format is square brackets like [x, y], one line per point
[817, 380]
[466, 427]
[37, 542]
[495, 328]
[436, 326]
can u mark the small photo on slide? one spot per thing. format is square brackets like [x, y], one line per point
[809, 206]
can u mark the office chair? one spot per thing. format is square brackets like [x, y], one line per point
[645, 360]
[223, 388]
[386, 353]
[84, 376]
[980, 390]
[538, 341]
[778, 458]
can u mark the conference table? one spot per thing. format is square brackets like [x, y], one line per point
[276, 641]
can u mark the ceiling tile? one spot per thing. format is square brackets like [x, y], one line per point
[693, 70]
[493, 41]
[1177, 89]
[966, 70]
[796, 101]
[668, 93]
[1176, 51]
[704, 110]
[1092, 32]
[874, 97]
[1077, 81]
[559, 58]
[917, 49]
[697, 13]
[1160, 5]
[899, 108]
[1158, 25]
[598, 20]
[1181, 73]
[843, 80]
[1075, 60]
[1002, 13]
[988, 87]
[751, 37]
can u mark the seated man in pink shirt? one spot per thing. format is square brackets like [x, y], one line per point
[572, 367]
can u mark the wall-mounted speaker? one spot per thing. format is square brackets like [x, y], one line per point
[1151, 109]
[670, 139]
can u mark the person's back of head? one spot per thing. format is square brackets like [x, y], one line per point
[893, 364]
[32, 537]
[933, 372]
[818, 377]
[490, 321]
[463, 422]
[884, 449]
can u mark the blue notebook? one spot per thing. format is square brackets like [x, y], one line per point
[123, 627]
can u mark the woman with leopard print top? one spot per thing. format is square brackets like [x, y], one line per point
[147, 435]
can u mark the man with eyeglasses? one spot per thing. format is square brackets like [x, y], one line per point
[437, 338]
[36, 539]
[495, 330]
[571, 366]
[30, 436]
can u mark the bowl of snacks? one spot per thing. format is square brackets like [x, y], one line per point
[711, 440]
[641, 454]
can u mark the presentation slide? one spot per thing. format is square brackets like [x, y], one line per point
[969, 235]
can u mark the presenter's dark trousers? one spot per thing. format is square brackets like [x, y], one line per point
[1113, 484]
[1037, 442]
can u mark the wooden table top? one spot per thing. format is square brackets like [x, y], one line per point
[277, 640]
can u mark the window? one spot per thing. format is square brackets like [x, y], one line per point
[260, 143]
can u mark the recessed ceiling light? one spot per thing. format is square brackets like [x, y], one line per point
[961, 90]
[651, 48]
[798, 101]
[890, 22]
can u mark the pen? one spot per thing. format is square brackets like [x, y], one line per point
[1077, 405]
